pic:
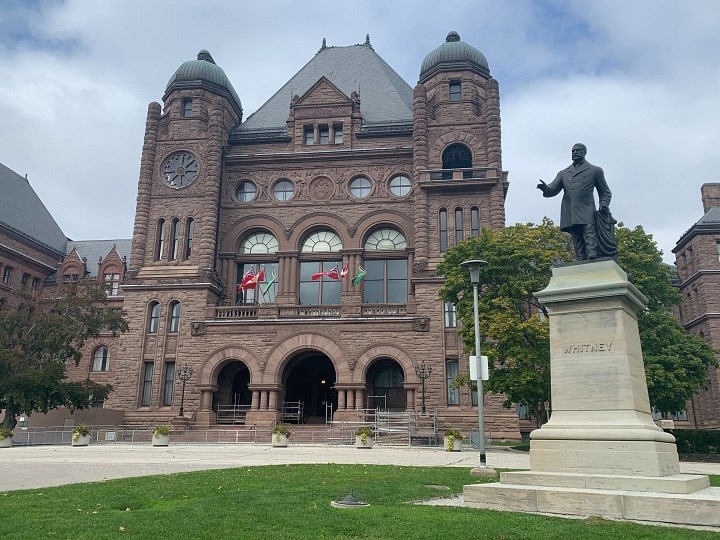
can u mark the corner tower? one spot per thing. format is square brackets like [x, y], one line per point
[456, 148]
[172, 276]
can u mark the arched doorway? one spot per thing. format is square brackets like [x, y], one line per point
[233, 391]
[309, 378]
[386, 385]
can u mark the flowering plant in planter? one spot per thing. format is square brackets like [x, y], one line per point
[364, 432]
[81, 430]
[161, 430]
[281, 429]
[452, 435]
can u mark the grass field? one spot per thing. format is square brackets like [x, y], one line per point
[289, 502]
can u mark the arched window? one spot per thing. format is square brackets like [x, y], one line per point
[456, 156]
[442, 229]
[259, 243]
[159, 239]
[322, 241]
[385, 238]
[320, 282]
[385, 380]
[101, 358]
[257, 269]
[474, 221]
[154, 317]
[385, 280]
[175, 311]
[189, 233]
[459, 236]
[174, 238]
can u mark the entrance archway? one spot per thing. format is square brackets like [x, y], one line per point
[386, 385]
[309, 378]
[232, 382]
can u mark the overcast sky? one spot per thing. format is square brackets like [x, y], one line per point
[637, 81]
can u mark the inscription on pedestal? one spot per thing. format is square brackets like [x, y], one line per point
[578, 348]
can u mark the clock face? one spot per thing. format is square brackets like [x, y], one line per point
[180, 169]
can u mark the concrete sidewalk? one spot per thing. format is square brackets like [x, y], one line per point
[43, 466]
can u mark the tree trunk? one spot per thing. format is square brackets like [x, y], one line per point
[9, 421]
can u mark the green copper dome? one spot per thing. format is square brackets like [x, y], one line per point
[204, 70]
[454, 55]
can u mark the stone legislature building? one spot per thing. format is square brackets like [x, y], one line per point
[290, 256]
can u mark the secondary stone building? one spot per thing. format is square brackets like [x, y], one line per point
[697, 258]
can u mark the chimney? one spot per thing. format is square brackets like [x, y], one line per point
[710, 196]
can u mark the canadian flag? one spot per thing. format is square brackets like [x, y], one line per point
[344, 272]
[332, 274]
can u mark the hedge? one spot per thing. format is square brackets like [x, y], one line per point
[697, 441]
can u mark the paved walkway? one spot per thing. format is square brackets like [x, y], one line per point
[43, 466]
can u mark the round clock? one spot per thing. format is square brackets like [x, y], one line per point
[180, 169]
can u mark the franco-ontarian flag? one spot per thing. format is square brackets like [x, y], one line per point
[359, 276]
[273, 279]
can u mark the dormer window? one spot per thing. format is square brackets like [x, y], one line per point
[324, 131]
[338, 133]
[455, 93]
[186, 107]
[309, 135]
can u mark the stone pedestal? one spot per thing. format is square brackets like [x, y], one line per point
[601, 452]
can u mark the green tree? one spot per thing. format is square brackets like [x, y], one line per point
[514, 331]
[675, 362]
[37, 339]
[515, 334]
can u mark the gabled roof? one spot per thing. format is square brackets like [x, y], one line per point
[22, 212]
[384, 96]
[94, 250]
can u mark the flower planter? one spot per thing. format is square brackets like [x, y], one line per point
[279, 440]
[160, 440]
[456, 445]
[6, 442]
[82, 440]
[360, 444]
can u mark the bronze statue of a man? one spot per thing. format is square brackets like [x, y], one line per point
[577, 212]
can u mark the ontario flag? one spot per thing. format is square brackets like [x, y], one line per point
[332, 274]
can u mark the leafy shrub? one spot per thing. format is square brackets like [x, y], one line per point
[697, 441]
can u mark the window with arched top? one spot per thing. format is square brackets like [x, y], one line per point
[322, 241]
[159, 239]
[456, 156]
[101, 359]
[259, 243]
[385, 238]
[474, 221]
[189, 233]
[175, 310]
[153, 317]
[385, 280]
[459, 231]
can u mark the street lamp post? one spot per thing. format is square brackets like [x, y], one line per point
[184, 374]
[474, 267]
[423, 372]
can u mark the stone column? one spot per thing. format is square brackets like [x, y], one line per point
[341, 400]
[255, 405]
[263, 400]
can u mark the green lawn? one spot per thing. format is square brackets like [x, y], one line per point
[288, 502]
